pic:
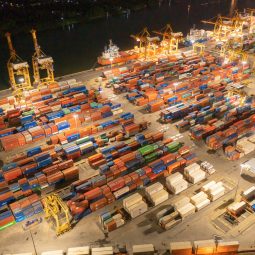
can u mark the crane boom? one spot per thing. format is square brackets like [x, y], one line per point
[10, 45]
[37, 47]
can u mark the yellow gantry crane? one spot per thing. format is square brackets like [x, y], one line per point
[233, 54]
[18, 71]
[237, 89]
[42, 65]
[250, 20]
[142, 38]
[171, 40]
[199, 48]
[57, 213]
[226, 26]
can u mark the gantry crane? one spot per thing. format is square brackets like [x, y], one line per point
[142, 38]
[199, 48]
[237, 90]
[250, 20]
[228, 52]
[42, 65]
[226, 26]
[170, 40]
[18, 71]
[57, 213]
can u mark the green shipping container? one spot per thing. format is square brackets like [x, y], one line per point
[93, 105]
[174, 146]
[148, 149]
[66, 111]
[28, 113]
[154, 155]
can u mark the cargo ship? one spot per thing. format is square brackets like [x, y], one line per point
[112, 55]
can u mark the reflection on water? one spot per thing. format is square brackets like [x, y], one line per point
[76, 47]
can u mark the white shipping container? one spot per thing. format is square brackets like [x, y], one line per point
[198, 197]
[154, 188]
[117, 216]
[121, 192]
[171, 179]
[197, 176]
[138, 209]
[159, 197]
[217, 193]
[102, 250]
[249, 193]
[237, 207]
[131, 200]
[85, 145]
[178, 187]
[206, 187]
[215, 187]
[186, 210]
[203, 204]
[181, 202]
[180, 246]
[190, 171]
[119, 222]
[143, 248]
[85, 250]
[57, 252]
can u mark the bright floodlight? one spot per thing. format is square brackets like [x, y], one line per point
[244, 62]
[21, 79]
[176, 84]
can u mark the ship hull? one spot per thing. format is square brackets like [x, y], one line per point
[123, 58]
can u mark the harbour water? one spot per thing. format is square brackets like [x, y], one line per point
[76, 48]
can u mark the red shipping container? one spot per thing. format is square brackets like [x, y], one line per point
[98, 204]
[92, 194]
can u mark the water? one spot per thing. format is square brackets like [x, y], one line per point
[76, 48]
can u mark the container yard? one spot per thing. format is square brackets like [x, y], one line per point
[133, 158]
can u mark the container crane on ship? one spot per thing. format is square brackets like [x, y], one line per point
[42, 64]
[18, 70]
[170, 40]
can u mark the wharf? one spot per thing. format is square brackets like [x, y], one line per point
[144, 228]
